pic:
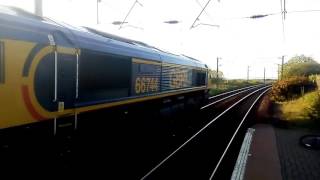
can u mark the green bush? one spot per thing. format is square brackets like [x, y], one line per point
[315, 107]
[291, 88]
[300, 66]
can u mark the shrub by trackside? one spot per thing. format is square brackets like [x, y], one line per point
[291, 88]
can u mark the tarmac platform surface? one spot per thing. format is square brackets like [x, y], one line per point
[275, 154]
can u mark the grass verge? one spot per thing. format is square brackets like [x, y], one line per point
[302, 111]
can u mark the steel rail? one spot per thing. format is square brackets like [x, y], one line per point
[228, 92]
[210, 104]
[235, 133]
[201, 130]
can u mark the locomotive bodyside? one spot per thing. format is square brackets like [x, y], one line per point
[48, 71]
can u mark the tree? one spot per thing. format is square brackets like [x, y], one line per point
[300, 66]
[213, 76]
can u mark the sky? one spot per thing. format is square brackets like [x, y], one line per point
[238, 41]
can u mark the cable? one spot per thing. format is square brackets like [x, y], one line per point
[135, 2]
[200, 14]
[213, 25]
[211, 18]
[301, 11]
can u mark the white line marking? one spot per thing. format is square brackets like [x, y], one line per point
[192, 137]
[240, 166]
[235, 133]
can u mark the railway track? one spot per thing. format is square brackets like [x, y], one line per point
[131, 150]
[138, 142]
[204, 153]
[131, 143]
[223, 96]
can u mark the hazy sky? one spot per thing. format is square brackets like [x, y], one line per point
[239, 41]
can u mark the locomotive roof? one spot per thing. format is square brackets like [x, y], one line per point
[30, 27]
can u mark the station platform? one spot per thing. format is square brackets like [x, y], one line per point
[270, 153]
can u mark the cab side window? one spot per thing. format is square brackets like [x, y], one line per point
[103, 77]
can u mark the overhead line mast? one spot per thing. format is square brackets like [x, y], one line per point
[194, 22]
[135, 2]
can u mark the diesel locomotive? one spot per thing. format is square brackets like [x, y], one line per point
[51, 70]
